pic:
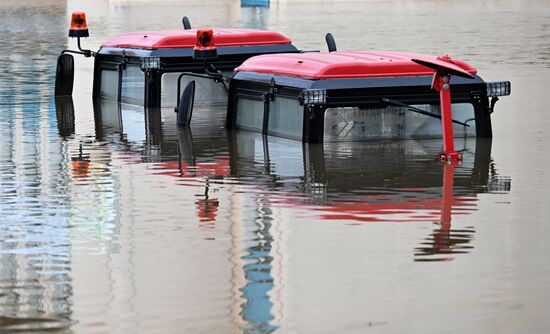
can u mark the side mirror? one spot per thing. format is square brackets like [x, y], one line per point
[185, 108]
[331, 44]
[64, 75]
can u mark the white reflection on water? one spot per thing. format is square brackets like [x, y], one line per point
[114, 221]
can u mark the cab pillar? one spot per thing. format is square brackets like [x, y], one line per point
[152, 88]
[314, 123]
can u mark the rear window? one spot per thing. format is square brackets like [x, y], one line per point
[394, 122]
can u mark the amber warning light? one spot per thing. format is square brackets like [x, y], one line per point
[204, 45]
[78, 25]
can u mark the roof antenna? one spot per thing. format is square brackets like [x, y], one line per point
[331, 44]
[186, 23]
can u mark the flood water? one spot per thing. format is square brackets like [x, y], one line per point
[112, 220]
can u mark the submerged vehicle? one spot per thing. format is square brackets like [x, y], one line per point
[147, 68]
[352, 96]
[275, 89]
[362, 95]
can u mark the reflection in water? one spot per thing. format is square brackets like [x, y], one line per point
[377, 182]
[351, 182]
[178, 155]
[254, 17]
[444, 240]
[256, 310]
[35, 250]
[64, 110]
[207, 208]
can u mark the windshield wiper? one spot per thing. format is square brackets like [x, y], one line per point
[417, 110]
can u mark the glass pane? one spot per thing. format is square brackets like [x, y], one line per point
[392, 122]
[286, 118]
[250, 114]
[109, 85]
[206, 90]
[425, 126]
[133, 85]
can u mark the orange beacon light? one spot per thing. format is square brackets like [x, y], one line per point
[78, 25]
[204, 47]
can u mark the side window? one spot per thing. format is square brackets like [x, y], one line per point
[250, 114]
[286, 117]
[133, 85]
[108, 88]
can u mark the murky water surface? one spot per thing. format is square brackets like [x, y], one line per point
[115, 221]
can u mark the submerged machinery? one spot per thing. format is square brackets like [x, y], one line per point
[270, 86]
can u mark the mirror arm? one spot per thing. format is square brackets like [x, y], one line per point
[86, 53]
[211, 73]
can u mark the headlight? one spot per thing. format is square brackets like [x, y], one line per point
[315, 96]
[150, 63]
[498, 88]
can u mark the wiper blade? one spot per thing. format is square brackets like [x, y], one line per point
[417, 110]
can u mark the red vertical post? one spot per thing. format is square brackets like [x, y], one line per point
[441, 84]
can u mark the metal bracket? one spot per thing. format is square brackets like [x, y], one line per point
[272, 91]
[125, 59]
[311, 112]
[86, 53]
[211, 73]
[494, 100]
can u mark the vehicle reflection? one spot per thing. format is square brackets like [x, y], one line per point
[64, 111]
[353, 182]
[151, 138]
[445, 240]
[395, 182]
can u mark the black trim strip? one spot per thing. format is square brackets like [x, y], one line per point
[188, 52]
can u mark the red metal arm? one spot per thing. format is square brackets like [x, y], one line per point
[441, 83]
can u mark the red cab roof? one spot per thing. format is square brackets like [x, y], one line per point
[186, 38]
[356, 64]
